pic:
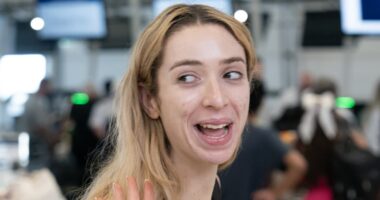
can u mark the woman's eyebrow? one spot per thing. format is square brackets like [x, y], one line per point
[197, 62]
[232, 59]
[185, 62]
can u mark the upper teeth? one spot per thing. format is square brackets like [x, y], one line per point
[211, 126]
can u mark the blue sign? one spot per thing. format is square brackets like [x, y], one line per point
[371, 9]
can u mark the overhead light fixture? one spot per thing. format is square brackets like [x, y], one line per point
[241, 15]
[37, 23]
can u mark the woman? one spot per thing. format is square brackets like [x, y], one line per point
[182, 107]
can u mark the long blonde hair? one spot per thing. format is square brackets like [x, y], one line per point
[142, 149]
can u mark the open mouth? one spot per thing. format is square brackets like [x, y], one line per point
[215, 134]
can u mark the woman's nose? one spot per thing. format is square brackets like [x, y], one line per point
[214, 95]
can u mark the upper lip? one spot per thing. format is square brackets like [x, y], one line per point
[215, 122]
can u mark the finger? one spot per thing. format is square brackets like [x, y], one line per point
[148, 190]
[117, 191]
[132, 191]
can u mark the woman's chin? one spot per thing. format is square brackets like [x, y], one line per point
[218, 158]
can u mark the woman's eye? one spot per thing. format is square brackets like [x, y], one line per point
[187, 78]
[233, 75]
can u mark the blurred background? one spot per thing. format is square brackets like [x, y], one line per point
[82, 47]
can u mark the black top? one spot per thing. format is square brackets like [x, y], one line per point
[260, 153]
[217, 192]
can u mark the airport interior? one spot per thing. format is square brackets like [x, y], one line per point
[318, 75]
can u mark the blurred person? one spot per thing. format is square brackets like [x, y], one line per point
[101, 120]
[288, 112]
[182, 107]
[321, 127]
[371, 123]
[260, 155]
[84, 140]
[264, 109]
[40, 121]
[103, 114]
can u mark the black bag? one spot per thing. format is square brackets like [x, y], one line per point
[356, 171]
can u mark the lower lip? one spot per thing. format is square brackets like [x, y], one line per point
[216, 141]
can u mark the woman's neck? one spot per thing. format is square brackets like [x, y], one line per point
[197, 179]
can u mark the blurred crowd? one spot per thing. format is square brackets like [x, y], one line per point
[302, 146]
[66, 132]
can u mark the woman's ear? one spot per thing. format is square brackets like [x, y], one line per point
[149, 103]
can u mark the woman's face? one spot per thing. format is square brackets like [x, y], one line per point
[203, 93]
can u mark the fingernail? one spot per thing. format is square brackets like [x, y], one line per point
[148, 182]
[116, 187]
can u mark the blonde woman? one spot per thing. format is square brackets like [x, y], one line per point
[181, 108]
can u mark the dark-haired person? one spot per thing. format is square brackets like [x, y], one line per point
[40, 121]
[261, 153]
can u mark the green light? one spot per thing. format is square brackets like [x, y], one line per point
[79, 98]
[345, 102]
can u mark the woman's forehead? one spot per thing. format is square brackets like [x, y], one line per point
[192, 40]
